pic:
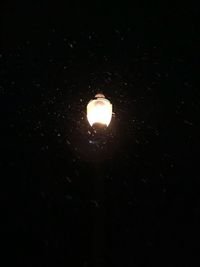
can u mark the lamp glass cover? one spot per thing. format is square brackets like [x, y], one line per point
[99, 111]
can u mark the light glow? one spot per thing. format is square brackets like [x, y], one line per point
[99, 110]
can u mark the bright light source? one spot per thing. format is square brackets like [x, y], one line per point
[99, 110]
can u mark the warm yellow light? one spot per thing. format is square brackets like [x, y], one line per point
[99, 110]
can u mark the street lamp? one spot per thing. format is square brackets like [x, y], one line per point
[99, 111]
[94, 139]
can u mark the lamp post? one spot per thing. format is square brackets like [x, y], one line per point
[94, 139]
[99, 115]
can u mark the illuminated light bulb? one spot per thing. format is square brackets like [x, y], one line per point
[99, 111]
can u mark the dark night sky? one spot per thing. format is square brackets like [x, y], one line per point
[129, 196]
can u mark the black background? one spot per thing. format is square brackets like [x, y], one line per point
[132, 198]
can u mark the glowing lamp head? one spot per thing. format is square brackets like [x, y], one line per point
[99, 111]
